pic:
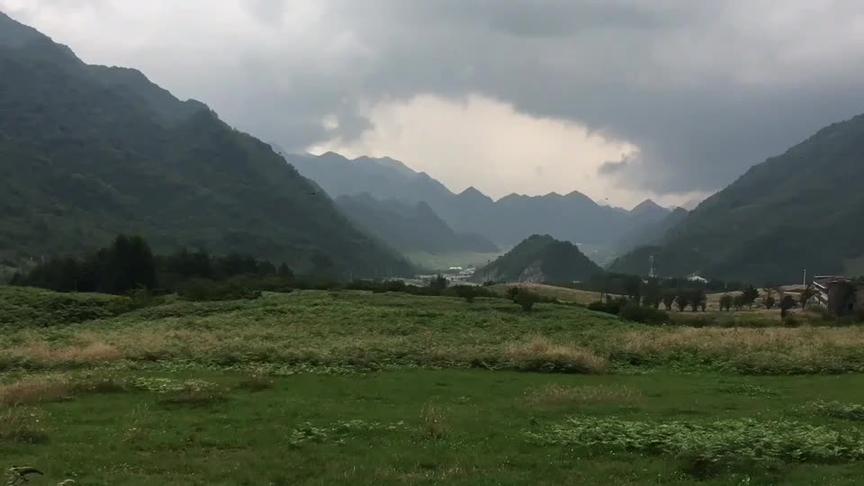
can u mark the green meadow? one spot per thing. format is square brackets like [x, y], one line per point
[320, 387]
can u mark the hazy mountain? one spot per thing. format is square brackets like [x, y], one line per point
[90, 151]
[409, 227]
[383, 178]
[574, 217]
[652, 232]
[540, 258]
[799, 210]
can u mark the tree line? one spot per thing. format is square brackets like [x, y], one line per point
[128, 264]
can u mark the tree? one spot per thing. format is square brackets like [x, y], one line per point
[466, 292]
[768, 300]
[526, 299]
[126, 265]
[651, 294]
[726, 302]
[285, 272]
[788, 302]
[439, 283]
[749, 295]
[739, 301]
[682, 300]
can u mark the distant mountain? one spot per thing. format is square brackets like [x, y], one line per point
[574, 217]
[87, 152]
[540, 258]
[802, 209]
[382, 178]
[652, 232]
[409, 227]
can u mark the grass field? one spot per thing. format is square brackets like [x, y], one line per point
[317, 387]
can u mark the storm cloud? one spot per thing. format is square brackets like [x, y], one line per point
[692, 92]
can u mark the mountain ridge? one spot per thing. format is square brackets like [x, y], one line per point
[87, 152]
[793, 211]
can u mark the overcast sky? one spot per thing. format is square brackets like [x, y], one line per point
[617, 99]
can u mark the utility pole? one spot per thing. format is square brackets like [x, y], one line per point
[805, 278]
[651, 272]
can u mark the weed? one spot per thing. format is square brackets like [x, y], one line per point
[337, 432]
[434, 422]
[720, 445]
[838, 410]
[24, 425]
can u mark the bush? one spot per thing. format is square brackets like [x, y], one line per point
[524, 298]
[611, 306]
[646, 315]
[201, 289]
[469, 292]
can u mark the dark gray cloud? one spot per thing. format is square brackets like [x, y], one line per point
[704, 89]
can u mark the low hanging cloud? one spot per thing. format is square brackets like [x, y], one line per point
[701, 90]
[482, 142]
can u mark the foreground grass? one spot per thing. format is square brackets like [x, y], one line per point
[360, 330]
[445, 426]
[319, 387]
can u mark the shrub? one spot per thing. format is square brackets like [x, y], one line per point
[838, 410]
[209, 290]
[611, 306]
[526, 299]
[715, 445]
[647, 315]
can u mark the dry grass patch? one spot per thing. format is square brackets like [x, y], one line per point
[771, 350]
[41, 355]
[553, 396]
[540, 354]
[33, 390]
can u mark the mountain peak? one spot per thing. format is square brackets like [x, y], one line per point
[474, 194]
[646, 205]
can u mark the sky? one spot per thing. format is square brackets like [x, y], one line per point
[620, 100]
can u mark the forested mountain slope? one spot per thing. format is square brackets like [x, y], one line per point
[87, 152]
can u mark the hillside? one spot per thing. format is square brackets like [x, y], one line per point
[87, 152]
[651, 232]
[409, 227]
[572, 217]
[798, 210]
[540, 259]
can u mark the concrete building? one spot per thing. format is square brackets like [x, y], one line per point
[842, 296]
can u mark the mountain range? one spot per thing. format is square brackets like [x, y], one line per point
[87, 152]
[409, 227]
[799, 210]
[573, 217]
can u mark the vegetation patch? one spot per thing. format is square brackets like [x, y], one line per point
[838, 410]
[555, 395]
[338, 432]
[710, 447]
[22, 425]
[540, 354]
